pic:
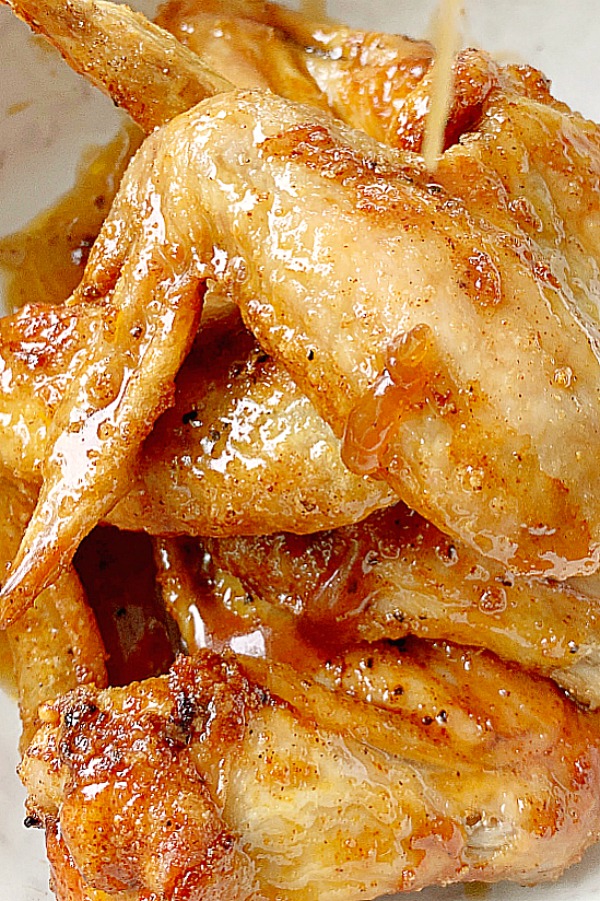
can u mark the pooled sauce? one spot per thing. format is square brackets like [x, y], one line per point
[214, 610]
[118, 573]
[44, 262]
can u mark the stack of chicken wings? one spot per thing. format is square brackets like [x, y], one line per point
[352, 407]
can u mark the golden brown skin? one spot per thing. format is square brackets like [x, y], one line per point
[379, 83]
[242, 450]
[142, 68]
[394, 574]
[40, 348]
[376, 82]
[460, 265]
[240, 40]
[392, 313]
[441, 775]
[149, 291]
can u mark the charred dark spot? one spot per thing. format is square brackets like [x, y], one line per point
[473, 819]
[32, 822]
[77, 715]
[227, 841]
[190, 416]
[185, 711]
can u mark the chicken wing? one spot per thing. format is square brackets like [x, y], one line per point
[148, 284]
[437, 341]
[145, 70]
[376, 82]
[394, 575]
[232, 779]
[242, 451]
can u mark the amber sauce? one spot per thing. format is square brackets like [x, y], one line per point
[401, 388]
[118, 573]
[213, 610]
[44, 261]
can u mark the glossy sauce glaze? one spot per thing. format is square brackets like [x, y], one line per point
[394, 574]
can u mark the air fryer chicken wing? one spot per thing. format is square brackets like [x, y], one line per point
[145, 70]
[148, 284]
[442, 345]
[379, 83]
[56, 644]
[432, 765]
[376, 82]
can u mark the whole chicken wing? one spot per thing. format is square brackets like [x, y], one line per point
[148, 284]
[441, 343]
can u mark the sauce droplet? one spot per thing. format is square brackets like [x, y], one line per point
[400, 388]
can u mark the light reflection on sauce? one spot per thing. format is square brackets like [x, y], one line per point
[213, 610]
[44, 261]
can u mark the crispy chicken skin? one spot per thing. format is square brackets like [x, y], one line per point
[56, 644]
[146, 282]
[242, 450]
[379, 83]
[429, 337]
[383, 773]
[143, 69]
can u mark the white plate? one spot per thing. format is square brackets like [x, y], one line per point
[48, 116]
